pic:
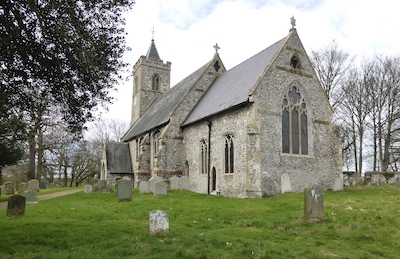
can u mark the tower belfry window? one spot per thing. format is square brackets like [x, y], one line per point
[155, 82]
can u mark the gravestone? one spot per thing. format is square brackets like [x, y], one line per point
[124, 190]
[338, 184]
[42, 185]
[174, 183]
[313, 204]
[33, 185]
[22, 187]
[144, 187]
[9, 188]
[88, 188]
[16, 205]
[103, 186]
[185, 183]
[153, 180]
[286, 183]
[160, 188]
[158, 222]
[31, 197]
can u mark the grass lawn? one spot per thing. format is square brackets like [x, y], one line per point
[41, 192]
[358, 223]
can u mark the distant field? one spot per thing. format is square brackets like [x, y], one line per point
[358, 223]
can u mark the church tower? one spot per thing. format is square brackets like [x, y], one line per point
[151, 78]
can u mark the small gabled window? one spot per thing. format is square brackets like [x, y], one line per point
[229, 154]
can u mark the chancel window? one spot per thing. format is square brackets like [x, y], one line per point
[294, 123]
[203, 157]
[156, 144]
[155, 82]
[229, 154]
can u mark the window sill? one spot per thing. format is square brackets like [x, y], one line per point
[296, 155]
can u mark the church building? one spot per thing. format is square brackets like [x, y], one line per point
[263, 127]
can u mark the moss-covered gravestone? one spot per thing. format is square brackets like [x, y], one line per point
[16, 205]
[124, 190]
[313, 204]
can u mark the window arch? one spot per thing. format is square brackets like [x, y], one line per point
[229, 154]
[294, 122]
[156, 142]
[155, 82]
[203, 157]
[295, 62]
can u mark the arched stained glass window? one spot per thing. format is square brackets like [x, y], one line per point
[294, 123]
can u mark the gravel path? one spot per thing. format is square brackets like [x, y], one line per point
[3, 205]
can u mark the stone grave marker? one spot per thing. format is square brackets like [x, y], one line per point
[160, 188]
[124, 190]
[185, 183]
[175, 183]
[313, 204]
[158, 222]
[33, 185]
[338, 184]
[152, 182]
[103, 186]
[16, 205]
[9, 188]
[42, 185]
[31, 197]
[286, 183]
[144, 187]
[88, 189]
[22, 187]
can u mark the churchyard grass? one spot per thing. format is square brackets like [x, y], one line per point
[358, 223]
[42, 192]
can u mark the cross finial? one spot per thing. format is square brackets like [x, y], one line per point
[216, 47]
[152, 33]
[293, 22]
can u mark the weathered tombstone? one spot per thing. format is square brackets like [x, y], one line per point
[127, 178]
[42, 185]
[174, 183]
[286, 183]
[9, 188]
[33, 185]
[152, 182]
[313, 204]
[160, 188]
[31, 197]
[16, 205]
[379, 182]
[88, 188]
[338, 184]
[185, 183]
[158, 222]
[22, 187]
[103, 186]
[124, 190]
[144, 187]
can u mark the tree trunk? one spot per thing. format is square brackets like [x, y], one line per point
[32, 155]
[40, 152]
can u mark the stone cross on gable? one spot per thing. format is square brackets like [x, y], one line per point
[293, 22]
[216, 47]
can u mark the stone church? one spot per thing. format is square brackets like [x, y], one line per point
[260, 128]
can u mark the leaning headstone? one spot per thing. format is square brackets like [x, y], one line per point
[33, 185]
[16, 205]
[124, 190]
[286, 183]
[313, 204]
[22, 187]
[160, 188]
[9, 188]
[144, 187]
[158, 222]
[174, 183]
[338, 184]
[88, 188]
[185, 183]
[31, 197]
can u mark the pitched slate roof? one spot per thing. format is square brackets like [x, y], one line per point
[233, 87]
[118, 158]
[161, 109]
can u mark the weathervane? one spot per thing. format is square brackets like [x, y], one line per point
[293, 22]
[216, 47]
[152, 33]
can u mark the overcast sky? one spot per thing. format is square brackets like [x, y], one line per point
[187, 30]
